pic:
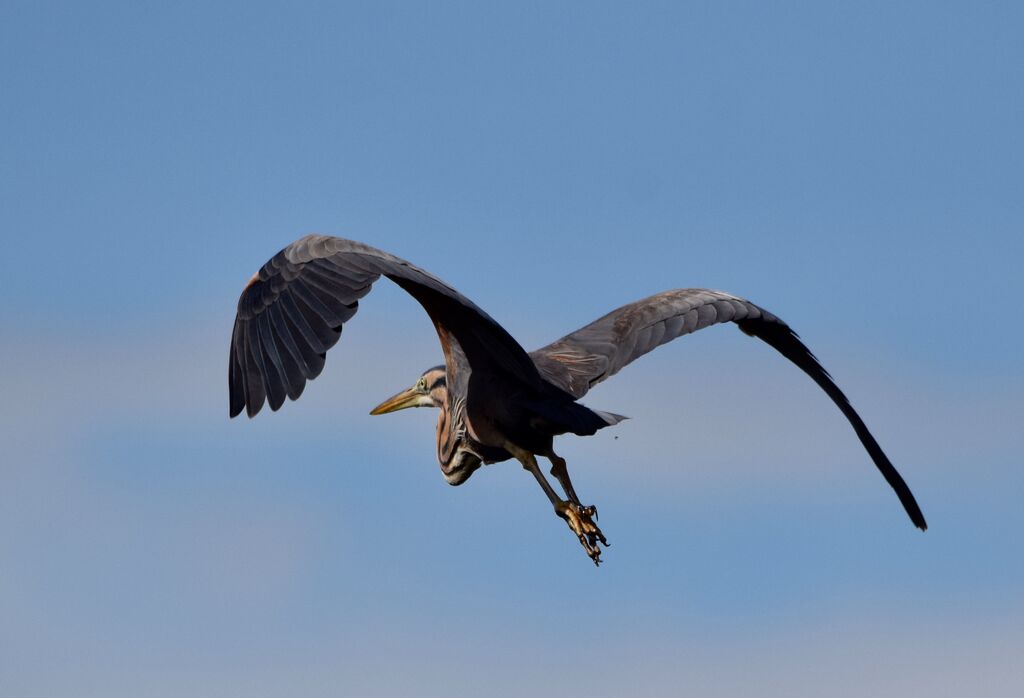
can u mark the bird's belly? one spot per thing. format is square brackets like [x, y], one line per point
[483, 432]
[511, 423]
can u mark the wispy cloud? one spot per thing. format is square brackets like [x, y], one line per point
[840, 654]
[106, 538]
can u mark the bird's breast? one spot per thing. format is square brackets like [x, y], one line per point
[459, 453]
[463, 463]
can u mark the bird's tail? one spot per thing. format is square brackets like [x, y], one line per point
[590, 421]
[572, 417]
[610, 417]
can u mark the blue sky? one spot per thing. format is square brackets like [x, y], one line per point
[856, 168]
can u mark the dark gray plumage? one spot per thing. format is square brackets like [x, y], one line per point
[497, 402]
[293, 309]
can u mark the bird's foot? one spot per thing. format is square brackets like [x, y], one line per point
[581, 521]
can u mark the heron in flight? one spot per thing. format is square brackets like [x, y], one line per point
[496, 400]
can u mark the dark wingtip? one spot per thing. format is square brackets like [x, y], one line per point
[780, 336]
[887, 469]
[236, 397]
[918, 518]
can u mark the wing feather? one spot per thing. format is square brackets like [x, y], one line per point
[277, 385]
[291, 355]
[236, 374]
[254, 389]
[298, 319]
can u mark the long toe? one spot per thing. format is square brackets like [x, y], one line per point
[580, 520]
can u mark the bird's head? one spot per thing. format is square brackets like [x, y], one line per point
[431, 390]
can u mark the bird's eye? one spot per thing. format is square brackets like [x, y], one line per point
[421, 384]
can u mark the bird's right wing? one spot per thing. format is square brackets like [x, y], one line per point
[292, 311]
[593, 353]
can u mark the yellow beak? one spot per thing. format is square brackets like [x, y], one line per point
[407, 398]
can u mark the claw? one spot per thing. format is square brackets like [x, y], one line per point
[580, 521]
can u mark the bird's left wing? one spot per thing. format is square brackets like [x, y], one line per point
[292, 311]
[599, 350]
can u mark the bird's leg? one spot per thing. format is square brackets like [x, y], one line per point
[561, 473]
[588, 513]
[578, 517]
